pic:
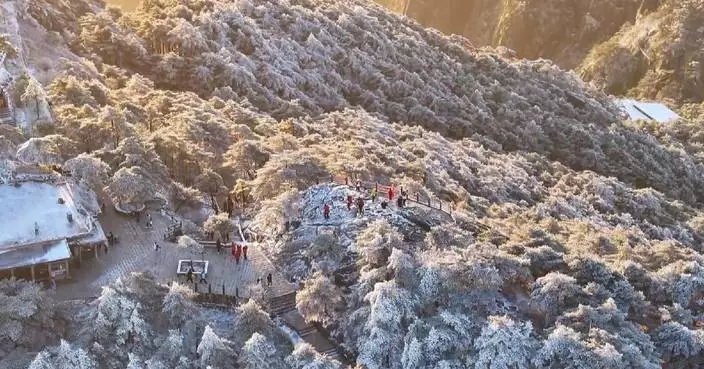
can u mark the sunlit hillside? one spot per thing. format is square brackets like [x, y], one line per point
[527, 225]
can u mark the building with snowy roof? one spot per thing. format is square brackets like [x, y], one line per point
[44, 226]
[650, 111]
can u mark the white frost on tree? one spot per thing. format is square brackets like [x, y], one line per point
[63, 357]
[504, 344]
[34, 94]
[177, 304]
[193, 246]
[89, 170]
[130, 188]
[319, 299]
[214, 351]
[304, 356]
[260, 353]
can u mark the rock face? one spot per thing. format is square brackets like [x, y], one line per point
[658, 57]
[563, 31]
[644, 48]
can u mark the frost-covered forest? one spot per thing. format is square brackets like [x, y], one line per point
[649, 49]
[575, 242]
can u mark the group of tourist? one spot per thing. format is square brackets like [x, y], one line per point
[358, 202]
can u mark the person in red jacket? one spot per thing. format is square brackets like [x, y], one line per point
[234, 249]
[244, 252]
[391, 193]
[238, 253]
[326, 211]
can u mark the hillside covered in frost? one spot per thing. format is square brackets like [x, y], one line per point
[647, 49]
[575, 239]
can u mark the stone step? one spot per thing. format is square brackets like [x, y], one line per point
[307, 331]
[282, 309]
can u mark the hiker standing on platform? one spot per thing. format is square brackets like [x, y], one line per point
[374, 194]
[360, 206]
[234, 249]
[238, 253]
[189, 275]
[349, 202]
[218, 245]
[391, 193]
[244, 252]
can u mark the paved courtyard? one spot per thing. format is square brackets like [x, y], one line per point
[135, 253]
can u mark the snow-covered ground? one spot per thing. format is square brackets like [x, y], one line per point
[38, 202]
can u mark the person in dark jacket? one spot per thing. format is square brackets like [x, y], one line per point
[360, 206]
[189, 275]
[244, 252]
[349, 202]
[269, 280]
[218, 245]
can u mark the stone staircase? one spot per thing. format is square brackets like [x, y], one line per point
[280, 305]
[6, 117]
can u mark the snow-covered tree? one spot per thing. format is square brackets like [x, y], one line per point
[214, 351]
[47, 150]
[250, 319]
[63, 357]
[377, 240]
[89, 170]
[210, 182]
[390, 307]
[177, 304]
[28, 316]
[34, 94]
[193, 246]
[220, 224]
[244, 158]
[319, 299]
[128, 187]
[7, 48]
[680, 345]
[504, 344]
[260, 353]
[564, 349]
[552, 292]
[304, 356]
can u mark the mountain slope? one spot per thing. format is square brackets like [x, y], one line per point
[575, 239]
[647, 49]
[342, 54]
[563, 31]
